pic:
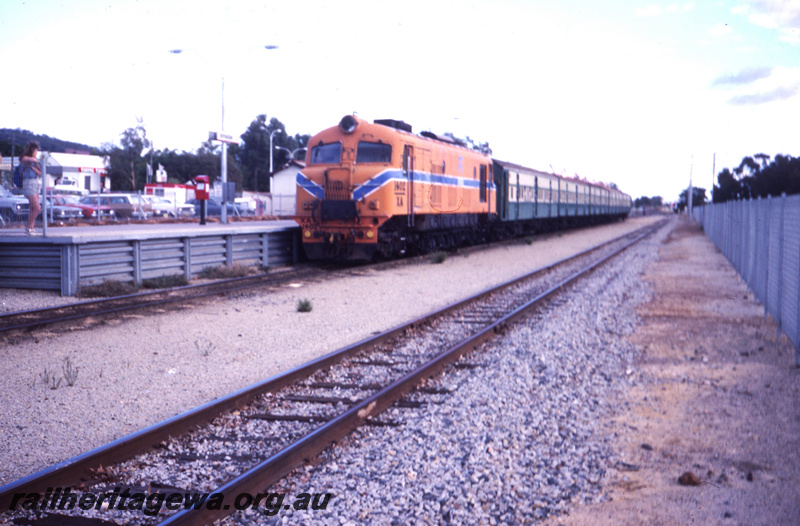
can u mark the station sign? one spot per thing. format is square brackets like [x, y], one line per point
[222, 137]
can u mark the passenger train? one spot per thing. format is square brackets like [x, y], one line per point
[378, 190]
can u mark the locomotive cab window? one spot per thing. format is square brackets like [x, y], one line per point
[373, 152]
[326, 153]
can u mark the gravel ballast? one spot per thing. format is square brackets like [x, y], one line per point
[143, 369]
[519, 439]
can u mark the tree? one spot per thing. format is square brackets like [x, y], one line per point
[254, 152]
[698, 199]
[756, 177]
[728, 187]
[126, 167]
[184, 166]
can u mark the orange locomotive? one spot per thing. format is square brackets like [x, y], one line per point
[377, 189]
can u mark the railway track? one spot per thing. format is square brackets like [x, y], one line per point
[67, 316]
[100, 309]
[248, 440]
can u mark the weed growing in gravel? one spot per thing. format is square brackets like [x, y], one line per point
[438, 257]
[304, 305]
[70, 372]
[109, 288]
[207, 350]
[236, 270]
[165, 282]
[49, 379]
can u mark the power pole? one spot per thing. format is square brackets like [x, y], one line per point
[690, 197]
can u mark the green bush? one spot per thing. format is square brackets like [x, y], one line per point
[108, 289]
[236, 270]
[438, 257]
[165, 282]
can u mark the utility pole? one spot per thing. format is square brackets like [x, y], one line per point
[690, 197]
[713, 174]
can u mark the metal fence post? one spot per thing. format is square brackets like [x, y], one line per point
[137, 262]
[779, 310]
[767, 256]
[187, 258]
[797, 319]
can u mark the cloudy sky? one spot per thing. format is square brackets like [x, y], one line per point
[642, 93]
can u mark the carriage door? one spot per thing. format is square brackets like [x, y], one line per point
[483, 183]
[408, 173]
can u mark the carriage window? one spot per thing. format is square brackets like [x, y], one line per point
[373, 152]
[326, 153]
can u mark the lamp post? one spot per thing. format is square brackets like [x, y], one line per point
[270, 157]
[224, 155]
[291, 155]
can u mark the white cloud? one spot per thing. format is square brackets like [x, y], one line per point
[781, 15]
[645, 12]
[721, 29]
[657, 10]
[763, 85]
[680, 8]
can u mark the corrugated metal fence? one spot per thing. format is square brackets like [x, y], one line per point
[67, 267]
[761, 238]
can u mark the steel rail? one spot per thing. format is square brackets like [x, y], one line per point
[276, 467]
[70, 472]
[139, 300]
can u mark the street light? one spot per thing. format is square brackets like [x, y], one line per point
[224, 155]
[270, 152]
[291, 155]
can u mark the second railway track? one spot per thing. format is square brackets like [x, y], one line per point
[264, 432]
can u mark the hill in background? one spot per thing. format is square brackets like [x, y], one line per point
[47, 143]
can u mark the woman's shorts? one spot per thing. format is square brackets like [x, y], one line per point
[31, 187]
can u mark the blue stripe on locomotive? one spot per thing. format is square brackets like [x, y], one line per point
[389, 176]
[310, 186]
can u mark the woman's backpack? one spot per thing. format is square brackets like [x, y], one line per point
[18, 175]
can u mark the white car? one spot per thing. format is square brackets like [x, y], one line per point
[246, 204]
[163, 207]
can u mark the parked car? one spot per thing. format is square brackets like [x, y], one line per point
[214, 208]
[61, 212]
[163, 207]
[12, 207]
[91, 207]
[247, 204]
[125, 206]
[69, 187]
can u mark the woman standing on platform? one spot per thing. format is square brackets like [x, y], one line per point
[31, 183]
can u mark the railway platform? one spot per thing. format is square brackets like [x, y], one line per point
[66, 258]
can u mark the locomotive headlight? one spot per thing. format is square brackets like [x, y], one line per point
[348, 124]
[307, 234]
[370, 235]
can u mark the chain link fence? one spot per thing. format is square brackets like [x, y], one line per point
[761, 238]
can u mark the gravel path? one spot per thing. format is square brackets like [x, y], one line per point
[142, 369]
[715, 393]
